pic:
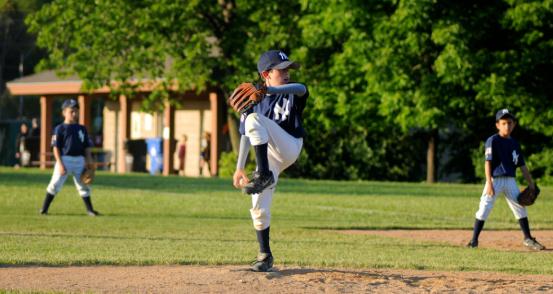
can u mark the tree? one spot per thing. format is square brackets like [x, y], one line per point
[18, 54]
[190, 45]
[347, 137]
[388, 79]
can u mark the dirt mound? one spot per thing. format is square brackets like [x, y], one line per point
[502, 240]
[237, 279]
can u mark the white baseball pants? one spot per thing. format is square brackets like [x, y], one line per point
[283, 150]
[507, 186]
[74, 165]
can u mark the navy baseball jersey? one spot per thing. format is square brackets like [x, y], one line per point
[71, 139]
[285, 109]
[504, 154]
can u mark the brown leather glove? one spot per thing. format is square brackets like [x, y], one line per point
[245, 96]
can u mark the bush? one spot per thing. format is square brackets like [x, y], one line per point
[541, 166]
[227, 164]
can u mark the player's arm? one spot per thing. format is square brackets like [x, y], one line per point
[292, 88]
[528, 177]
[525, 173]
[488, 154]
[489, 184]
[240, 173]
[88, 156]
[88, 150]
[57, 156]
[57, 144]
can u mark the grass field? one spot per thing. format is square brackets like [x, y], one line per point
[171, 220]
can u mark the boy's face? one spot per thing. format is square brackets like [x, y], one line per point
[71, 115]
[276, 77]
[505, 126]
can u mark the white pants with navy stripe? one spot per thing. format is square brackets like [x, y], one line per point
[74, 165]
[507, 186]
[283, 150]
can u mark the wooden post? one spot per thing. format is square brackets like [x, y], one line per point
[45, 129]
[215, 133]
[84, 111]
[123, 132]
[168, 138]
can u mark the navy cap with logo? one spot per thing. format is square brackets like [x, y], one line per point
[69, 103]
[504, 113]
[275, 59]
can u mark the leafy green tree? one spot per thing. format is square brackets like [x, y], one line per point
[190, 45]
[347, 137]
[18, 54]
[388, 79]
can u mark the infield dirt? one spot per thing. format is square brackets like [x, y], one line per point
[238, 279]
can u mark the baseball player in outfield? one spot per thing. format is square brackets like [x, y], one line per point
[274, 128]
[503, 156]
[71, 146]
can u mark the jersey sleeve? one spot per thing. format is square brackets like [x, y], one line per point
[57, 138]
[488, 149]
[87, 140]
[301, 101]
[242, 127]
[520, 161]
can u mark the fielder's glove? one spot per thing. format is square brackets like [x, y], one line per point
[245, 96]
[87, 176]
[528, 196]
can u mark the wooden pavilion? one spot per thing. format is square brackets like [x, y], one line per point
[203, 112]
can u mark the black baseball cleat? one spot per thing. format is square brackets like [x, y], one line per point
[43, 212]
[92, 213]
[473, 244]
[533, 244]
[263, 263]
[259, 182]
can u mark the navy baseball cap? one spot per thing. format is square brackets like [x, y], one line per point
[275, 59]
[69, 103]
[504, 113]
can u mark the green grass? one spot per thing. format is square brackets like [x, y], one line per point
[171, 220]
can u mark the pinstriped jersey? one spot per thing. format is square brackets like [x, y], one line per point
[71, 139]
[504, 154]
[285, 109]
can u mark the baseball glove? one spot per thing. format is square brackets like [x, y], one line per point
[527, 196]
[245, 96]
[87, 177]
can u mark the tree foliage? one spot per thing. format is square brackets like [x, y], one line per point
[184, 45]
[18, 54]
[384, 76]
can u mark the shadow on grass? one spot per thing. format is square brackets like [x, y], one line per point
[148, 215]
[405, 228]
[188, 185]
[112, 237]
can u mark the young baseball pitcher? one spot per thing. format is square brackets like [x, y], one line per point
[272, 124]
[503, 156]
[71, 146]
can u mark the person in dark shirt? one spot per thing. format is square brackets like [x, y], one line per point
[205, 153]
[23, 154]
[181, 153]
[71, 145]
[503, 156]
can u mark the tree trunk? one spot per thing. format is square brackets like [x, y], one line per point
[233, 132]
[431, 157]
